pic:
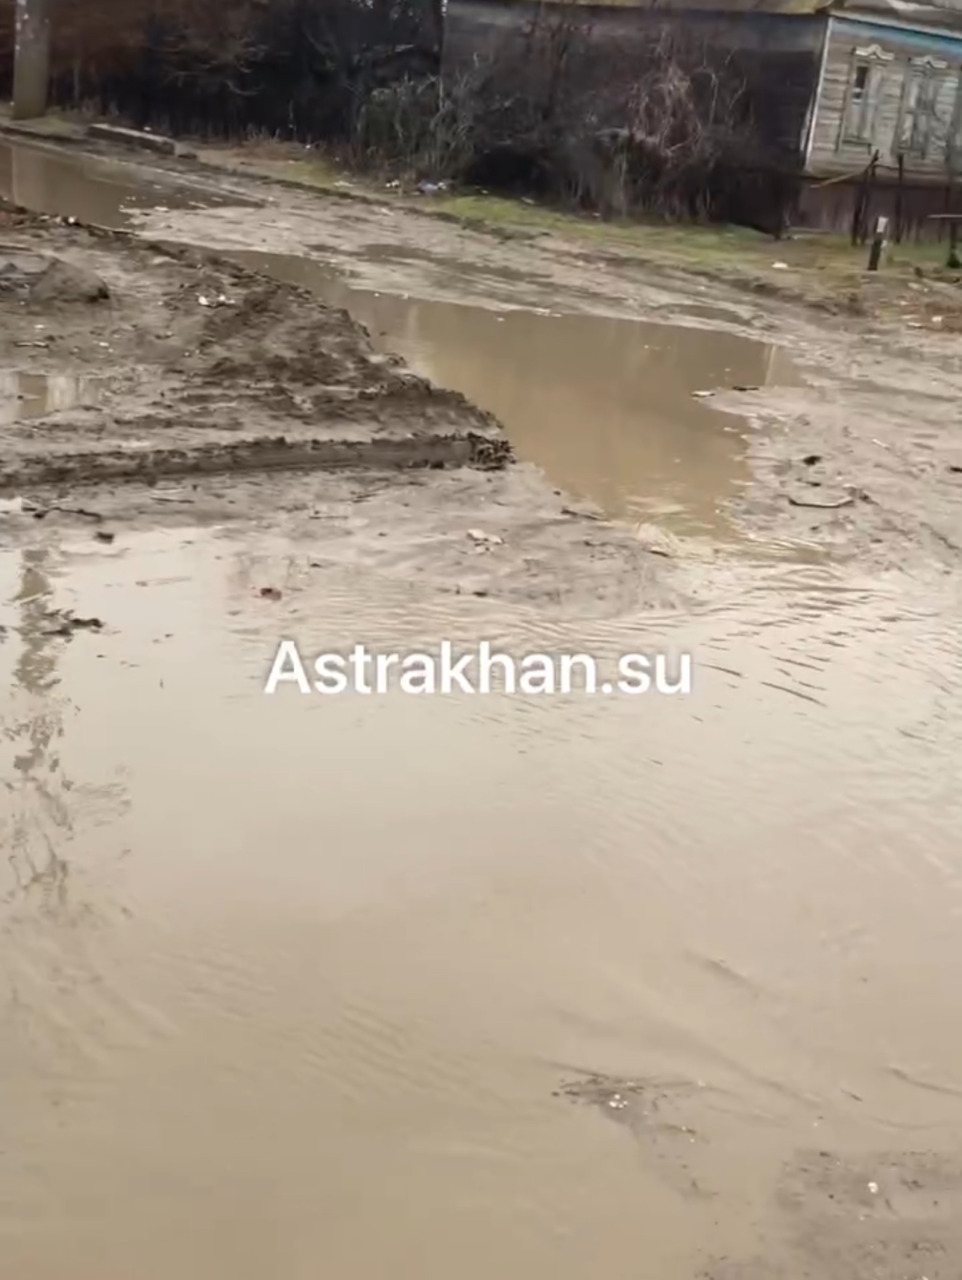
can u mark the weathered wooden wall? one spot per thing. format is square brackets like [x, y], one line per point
[833, 152]
[833, 208]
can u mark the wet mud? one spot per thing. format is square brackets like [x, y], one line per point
[199, 367]
[459, 985]
[94, 190]
[390, 961]
[619, 413]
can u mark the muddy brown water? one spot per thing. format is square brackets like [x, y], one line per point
[462, 986]
[287, 980]
[613, 410]
[96, 191]
[26, 395]
[618, 412]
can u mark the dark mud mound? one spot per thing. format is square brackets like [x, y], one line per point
[204, 367]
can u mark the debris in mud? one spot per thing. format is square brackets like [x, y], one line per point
[67, 624]
[702, 395]
[656, 541]
[823, 506]
[41, 513]
[271, 593]
[103, 536]
[167, 495]
[883, 1214]
[485, 540]
[583, 511]
[655, 1113]
[743, 387]
[811, 459]
[606, 1093]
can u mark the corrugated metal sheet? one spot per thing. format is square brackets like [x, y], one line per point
[675, 6]
[945, 14]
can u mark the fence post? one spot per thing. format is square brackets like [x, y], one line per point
[878, 243]
[954, 262]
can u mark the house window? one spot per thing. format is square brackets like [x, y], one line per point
[864, 92]
[917, 123]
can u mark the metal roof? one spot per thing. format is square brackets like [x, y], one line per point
[935, 13]
[929, 13]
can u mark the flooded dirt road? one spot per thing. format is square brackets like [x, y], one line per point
[292, 979]
[617, 412]
[90, 189]
[459, 985]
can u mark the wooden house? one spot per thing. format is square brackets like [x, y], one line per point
[858, 103]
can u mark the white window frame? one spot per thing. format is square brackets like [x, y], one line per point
[861, 104]
[920, 95]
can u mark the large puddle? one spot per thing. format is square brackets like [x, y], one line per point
[96, 191]
[292, 985]
[24, 395]
[286, 980]
[617, 412]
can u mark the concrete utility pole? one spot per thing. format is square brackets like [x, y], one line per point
[31, 73]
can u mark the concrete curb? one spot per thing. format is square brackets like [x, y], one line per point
[79, 135]
[24, 131]
[158, 143]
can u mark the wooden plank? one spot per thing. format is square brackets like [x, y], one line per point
[832, 152]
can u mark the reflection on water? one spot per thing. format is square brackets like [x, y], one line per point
[331, 960]
[364, 939]
[101, 192]
[609, 408]
[35, 395]
[37, 817]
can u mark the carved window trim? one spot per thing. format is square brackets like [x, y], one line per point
[866, 84]
[917, 110]
[874, 51]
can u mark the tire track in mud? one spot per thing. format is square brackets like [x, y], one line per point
[205, 367]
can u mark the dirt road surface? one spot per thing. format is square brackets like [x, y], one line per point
[462, 985]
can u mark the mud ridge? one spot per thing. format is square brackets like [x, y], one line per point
[202, 366]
